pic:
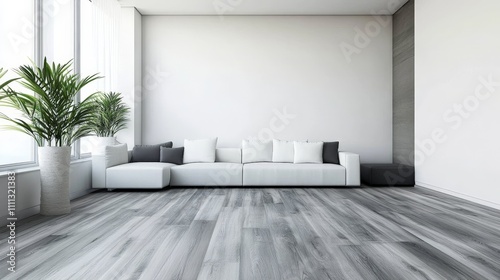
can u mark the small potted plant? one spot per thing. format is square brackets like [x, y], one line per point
[109, 117]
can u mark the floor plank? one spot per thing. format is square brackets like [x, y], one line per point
[187, 258]
[290, 249]
[258, 256]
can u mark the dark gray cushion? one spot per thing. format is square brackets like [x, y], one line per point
[331, 152]
[172, 155]
[148, 153]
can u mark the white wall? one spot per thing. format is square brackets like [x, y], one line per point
[28, 189]
[130, 73]
[457, 45]
[225, 76]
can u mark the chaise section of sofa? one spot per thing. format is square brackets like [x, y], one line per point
[113, 170]
[139, 175]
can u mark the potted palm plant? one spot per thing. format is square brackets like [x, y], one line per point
[110, 116]
[51, 116]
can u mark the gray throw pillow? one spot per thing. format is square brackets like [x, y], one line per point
[148, 153]
[172, 155]
[331, 152]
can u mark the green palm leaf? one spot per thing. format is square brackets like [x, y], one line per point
[50, 115]
[4, 84]
[110, 115]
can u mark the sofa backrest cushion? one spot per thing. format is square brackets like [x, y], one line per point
[115, 155]
[202, 150]
[232, 155]
[172, 155]
[331, 152]
[148, 153]
[282, 151]
[257, 151]
[308, 152]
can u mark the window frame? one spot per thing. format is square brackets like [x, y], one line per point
[37, 22]
[38, 59]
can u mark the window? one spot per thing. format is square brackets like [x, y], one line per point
[96, 51]
[18, 46]
[59, 36]
[58, 30]
[99, 23]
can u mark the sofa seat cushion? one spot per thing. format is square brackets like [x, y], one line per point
[138, 175]
[207, 174]
[289, 174]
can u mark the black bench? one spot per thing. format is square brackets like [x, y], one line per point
[388, 174]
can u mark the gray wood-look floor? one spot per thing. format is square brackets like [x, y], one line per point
[296, 233]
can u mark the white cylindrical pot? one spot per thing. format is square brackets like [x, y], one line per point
[54, 174]
[101, 144]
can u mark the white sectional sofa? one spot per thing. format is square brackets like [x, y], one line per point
[113, 170]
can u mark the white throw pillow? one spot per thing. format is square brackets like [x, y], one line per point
[115, 155]
[308, 152]
[202, 150]
[257, 151]
[282, 151]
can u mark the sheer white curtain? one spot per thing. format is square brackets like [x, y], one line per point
[16, 48]
[100, 29]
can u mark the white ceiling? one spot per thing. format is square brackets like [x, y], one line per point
[264, 7]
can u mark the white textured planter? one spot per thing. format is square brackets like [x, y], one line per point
[54, 173]
[101, 144]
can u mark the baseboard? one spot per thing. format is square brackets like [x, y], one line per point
[22, 214]
[460, 195]
[76, 195]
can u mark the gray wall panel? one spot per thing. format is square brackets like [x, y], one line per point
[404, 84]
